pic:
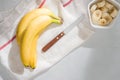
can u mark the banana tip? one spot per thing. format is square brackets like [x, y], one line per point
[61, 20]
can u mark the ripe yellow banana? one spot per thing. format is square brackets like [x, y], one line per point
[36, 27]
[33, 61]
[23, 24]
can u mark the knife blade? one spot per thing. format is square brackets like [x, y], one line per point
[61, 34]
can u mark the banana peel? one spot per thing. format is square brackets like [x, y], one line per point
[30, 27]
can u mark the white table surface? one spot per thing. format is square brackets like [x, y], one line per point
[97, 59]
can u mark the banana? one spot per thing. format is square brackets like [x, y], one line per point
[96, 16]
[33, 60]
[36, 27]
[101, 18]
[102, 22]
[114, 12]
[104, 9]
[23, 24]
[103, 13]
[93, 8]
[105, 20]
[109, 5]
[101, 4]
[107, 17]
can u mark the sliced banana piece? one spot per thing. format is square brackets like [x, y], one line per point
[102, 22]
[104, 9]
[101, 4]
[114, 12]
[94, 20]
[93, 8]
[97, 14]
[107, 17]
[109, 5]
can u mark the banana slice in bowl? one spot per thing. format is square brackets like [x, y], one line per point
[103, 13]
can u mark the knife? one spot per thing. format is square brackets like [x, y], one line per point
[61, 34]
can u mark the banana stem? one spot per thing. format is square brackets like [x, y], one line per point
[57, 21]
[55, 17]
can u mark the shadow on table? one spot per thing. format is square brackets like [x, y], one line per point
[103, 64]
[104, 60]
[5, 73]
[14, 60]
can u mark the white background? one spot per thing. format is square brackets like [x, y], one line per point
[97, 59]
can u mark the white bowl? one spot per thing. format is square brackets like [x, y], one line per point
[115, 3]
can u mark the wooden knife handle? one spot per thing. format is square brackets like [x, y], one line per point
[52, 42]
